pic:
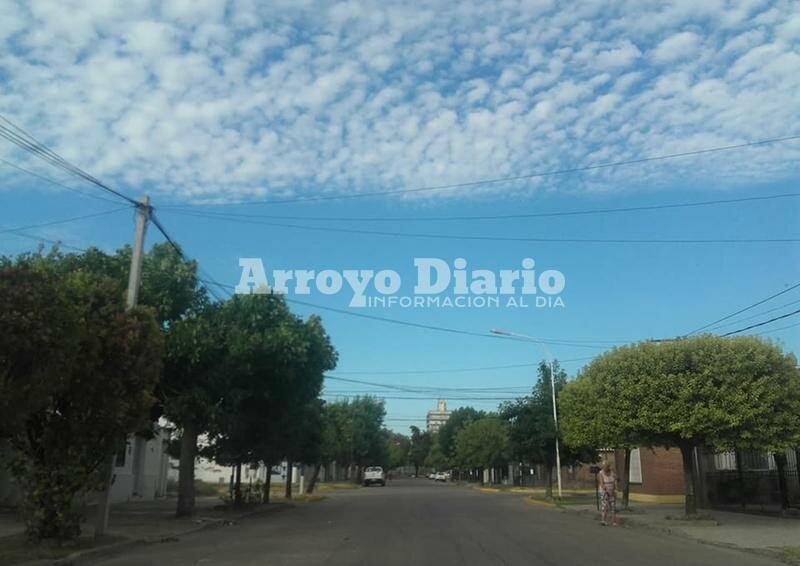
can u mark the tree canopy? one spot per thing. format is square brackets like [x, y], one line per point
[483, 444]
[89, 386]
[705, 391]
[459, 418]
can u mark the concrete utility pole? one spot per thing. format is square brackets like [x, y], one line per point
[550, 358]
[131, 299]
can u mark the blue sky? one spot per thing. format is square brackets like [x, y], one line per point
[214, 103]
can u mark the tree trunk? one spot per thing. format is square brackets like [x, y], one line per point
[288, 486]
[548, 480]
[267, 483]
[626, 476]
[312, 483]
[416, 470]
[687, 454]
[185, 506]
[783, 489]
[237, 485]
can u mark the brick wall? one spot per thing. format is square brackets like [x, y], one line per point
[662, 472]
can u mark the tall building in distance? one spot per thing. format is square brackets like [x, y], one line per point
[438, 416]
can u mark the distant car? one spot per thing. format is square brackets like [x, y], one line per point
[432, 476]
[440, 476]
[374, 475]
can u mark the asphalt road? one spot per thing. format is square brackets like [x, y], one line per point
[417, 522]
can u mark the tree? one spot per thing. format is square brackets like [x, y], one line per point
[459, 418]
[398, 446]
[194, 383]
[353, 434]
[483, 444]
[532, 431]
[419, 449]
[436, 459]
[705, 391]
[368, 443]
[86, 392]
[274, 364]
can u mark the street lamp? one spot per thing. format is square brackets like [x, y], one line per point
[548, 354]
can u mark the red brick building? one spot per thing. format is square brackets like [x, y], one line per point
[656, 474]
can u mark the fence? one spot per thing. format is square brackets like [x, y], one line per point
[759, 489]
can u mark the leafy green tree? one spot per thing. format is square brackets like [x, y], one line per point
[459, 418]
[532, 431]
[706, 391]
[420, 447]
[368, 441]
[483, 444]
[398, 446]
[436, 459]
[275, 363]
[353, 434]
[335, 442]
[87, 390]
[194, 383]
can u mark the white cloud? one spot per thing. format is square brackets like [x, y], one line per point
[225, 100]
[678, 46]
[618, 57]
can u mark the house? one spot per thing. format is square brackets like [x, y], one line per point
[655, 474]
[140, 471]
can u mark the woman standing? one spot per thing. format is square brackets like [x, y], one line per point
[607, 484]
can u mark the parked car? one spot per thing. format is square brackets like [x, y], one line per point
[440, 476]
[374, 475]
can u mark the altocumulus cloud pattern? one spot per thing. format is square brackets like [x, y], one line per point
[216, 101]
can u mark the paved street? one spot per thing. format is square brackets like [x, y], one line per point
[419, 522]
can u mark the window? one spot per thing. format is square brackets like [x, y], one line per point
[725, 461]
[119, 460]
[635, 471]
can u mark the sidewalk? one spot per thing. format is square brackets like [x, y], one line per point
[777, 536]
[130, 523]
[764, 534]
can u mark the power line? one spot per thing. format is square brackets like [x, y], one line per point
[160, 227]
[787, 327]
[54, 182]
[747, 308]
[49, 241]
[64, 221]
[577, 344]
[426, 389]
[463, 237]
[528, 176]
[763, 323]
[434, 397]
[26, 141]
[453, 370]
[751, 317]
[176, 208]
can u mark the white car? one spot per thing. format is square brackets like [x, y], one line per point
[374, 475]
[440, 476]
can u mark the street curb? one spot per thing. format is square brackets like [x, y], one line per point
[117, 547]
[539, 503]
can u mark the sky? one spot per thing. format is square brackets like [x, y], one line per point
[224, 112]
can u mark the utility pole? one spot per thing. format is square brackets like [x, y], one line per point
[555, 423]
[131, 299]
[550, 365]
